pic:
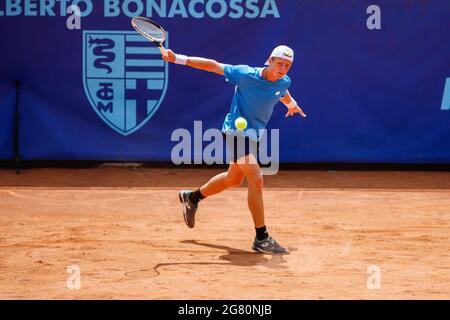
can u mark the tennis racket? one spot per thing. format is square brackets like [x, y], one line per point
[150, 30]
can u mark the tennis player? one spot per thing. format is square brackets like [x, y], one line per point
[257, 92]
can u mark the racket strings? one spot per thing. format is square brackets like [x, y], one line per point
[150, 30]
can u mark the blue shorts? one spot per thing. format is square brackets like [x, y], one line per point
[240, 146]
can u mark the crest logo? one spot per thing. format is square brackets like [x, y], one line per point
[124, 78]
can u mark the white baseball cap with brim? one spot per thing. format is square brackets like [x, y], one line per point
[283, 52]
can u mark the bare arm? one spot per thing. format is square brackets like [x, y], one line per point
[205, 64]
[286, 99]
[292, 106]
[198, 63]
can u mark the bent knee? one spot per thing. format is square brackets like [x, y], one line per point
[234, 182]
[256, 181]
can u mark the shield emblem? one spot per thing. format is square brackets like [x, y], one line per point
[124, 78]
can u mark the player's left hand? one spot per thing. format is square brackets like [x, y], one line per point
[295, 110]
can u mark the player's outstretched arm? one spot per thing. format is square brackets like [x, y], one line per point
[195, 62]
[292, 106]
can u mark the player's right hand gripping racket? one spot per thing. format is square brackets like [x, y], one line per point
[150, 30]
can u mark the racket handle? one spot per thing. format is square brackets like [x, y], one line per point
[163, 51]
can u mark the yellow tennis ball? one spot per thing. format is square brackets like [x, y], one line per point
[240, 123]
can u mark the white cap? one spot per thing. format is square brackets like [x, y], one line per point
[283, 52]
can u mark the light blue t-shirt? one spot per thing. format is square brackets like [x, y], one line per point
[254, 98]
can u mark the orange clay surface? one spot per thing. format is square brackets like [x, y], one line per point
[352, 235]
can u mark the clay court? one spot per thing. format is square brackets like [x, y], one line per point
[123, 228]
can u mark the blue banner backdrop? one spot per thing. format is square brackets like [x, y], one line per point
[101, 93]
[7, 108]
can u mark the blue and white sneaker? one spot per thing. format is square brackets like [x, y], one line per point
[269, 245]
[189, 208]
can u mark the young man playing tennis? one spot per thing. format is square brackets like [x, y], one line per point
[257, 92]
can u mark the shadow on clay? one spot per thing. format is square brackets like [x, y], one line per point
[233, 257]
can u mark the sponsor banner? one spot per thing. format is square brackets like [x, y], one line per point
[373, 79]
